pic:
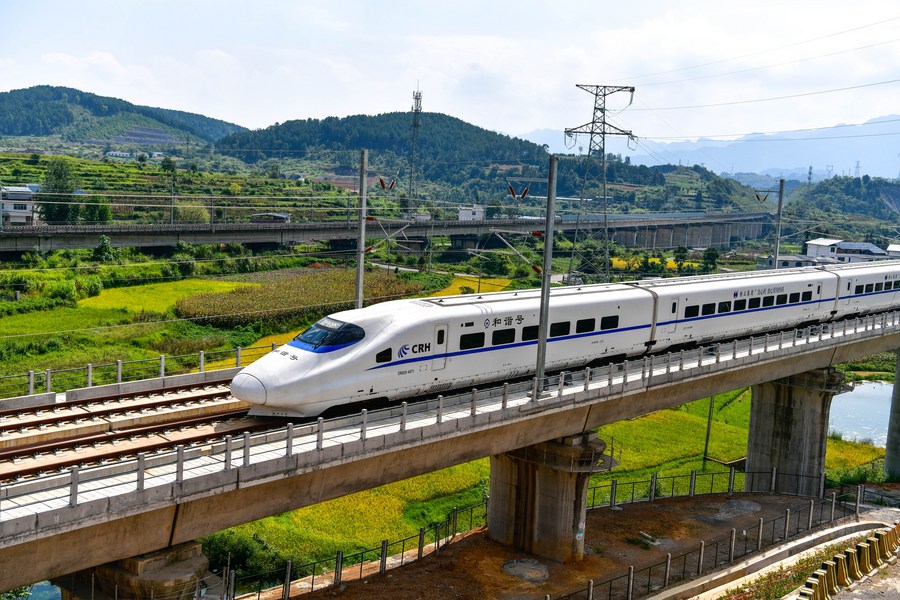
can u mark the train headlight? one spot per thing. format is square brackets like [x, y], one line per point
[248, 388]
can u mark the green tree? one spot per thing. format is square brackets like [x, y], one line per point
[104, 252]
[19, 593]
[191, 212]
[168, 166]
[710, 259]
[96, 210]
[680, 256]
[141, 160]
[60, 182]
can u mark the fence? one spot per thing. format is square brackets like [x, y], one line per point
[60, 380]
[637, 583]
[633, 584]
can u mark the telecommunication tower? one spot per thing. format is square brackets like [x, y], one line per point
[597, 129]
[406, 206]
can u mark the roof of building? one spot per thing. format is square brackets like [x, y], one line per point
[893, 248]
[823, 242]
[861, 246]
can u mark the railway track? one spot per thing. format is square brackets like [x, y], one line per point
[56, 436]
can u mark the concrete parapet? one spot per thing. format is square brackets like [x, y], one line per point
[22, 402]
[150, 385]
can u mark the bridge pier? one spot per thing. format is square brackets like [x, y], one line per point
[788, 432]
[171, 573]
[892, 447]
[538, 495]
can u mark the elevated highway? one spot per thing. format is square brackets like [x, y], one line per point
[68, 521]
[663, 230]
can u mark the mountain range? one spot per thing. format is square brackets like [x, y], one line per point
[870, 148]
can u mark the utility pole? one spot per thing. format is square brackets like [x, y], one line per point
[406, 207]
[778, 222]
[361, 231]
[543, 324]
[598, 128]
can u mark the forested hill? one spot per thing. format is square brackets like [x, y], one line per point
[849, 207]
[441, 138]
[81, 116]
[455, 160]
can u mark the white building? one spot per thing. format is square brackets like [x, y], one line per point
[845, 252]
[471, 213]
[894, 250]
[16, 206]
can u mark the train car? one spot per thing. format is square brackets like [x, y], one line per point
[407, 348]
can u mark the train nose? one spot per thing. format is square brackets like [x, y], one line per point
[248, 388]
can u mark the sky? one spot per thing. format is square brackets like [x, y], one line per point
[699, 68]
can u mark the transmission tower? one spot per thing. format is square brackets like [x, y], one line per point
[597, 129]
[405, 206]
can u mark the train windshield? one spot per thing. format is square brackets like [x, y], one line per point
[331, 332]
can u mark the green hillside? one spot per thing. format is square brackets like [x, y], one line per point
[77, 116]
[852, 208]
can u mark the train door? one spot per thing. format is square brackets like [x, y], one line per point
[672, 317]
[439, 356]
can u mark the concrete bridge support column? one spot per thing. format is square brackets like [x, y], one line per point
[788, 431]
[892, 448]
[539, 495]
[171, 573]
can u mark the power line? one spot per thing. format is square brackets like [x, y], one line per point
[760, 52]
[773, 98]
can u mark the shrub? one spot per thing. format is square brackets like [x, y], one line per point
[63, 290]
[88, 287]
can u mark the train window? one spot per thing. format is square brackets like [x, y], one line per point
[794, 298]
[529, 333]
[858, 289]
[440, 337]
[691, 311]
[754, 303]
[467, 341]
[561, 328]
[781, 299]
[878, 287]
[806, 296]
[347, 334]
[740, 304]
[609, 322]
[384, 356]
[503, 336]
[724, 307]
[708, 309]
[585, 325]
[869, 287]
[768, 300]
[331, 332]
[674, 307]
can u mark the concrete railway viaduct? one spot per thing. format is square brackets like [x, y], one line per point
[540, 453]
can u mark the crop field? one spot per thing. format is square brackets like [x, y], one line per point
[286, 300]
[157, 297]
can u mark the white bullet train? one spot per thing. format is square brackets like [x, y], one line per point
[406, 348]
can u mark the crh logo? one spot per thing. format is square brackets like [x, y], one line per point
[403, 351]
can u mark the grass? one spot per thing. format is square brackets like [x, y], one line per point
[156, 297]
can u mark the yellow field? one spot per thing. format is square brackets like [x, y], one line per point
[157, 297]
[486, 285]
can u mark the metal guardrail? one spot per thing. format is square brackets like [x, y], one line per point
[60, 380]
[320, 442]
